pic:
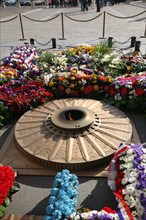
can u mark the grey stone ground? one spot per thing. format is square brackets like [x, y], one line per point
[33, 195]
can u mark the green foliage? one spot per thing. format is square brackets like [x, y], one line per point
[2, 211]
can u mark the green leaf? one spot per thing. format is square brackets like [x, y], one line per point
[2, 211]
[111, 102]
[123, 102]
[7, 201]
[15, 187]
[117, 104]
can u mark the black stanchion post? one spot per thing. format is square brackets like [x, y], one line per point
[53, 43]
[103, 33]
[21, 27]
[110, 42]
[62, 27]
[31, 41]
[144, 36]
[133, 40]
[137, 45]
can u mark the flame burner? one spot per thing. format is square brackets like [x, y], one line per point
[72, 118]
[75, 134]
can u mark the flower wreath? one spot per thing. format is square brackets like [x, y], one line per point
[8, 186]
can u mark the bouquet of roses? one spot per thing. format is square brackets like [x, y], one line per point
[8, 186]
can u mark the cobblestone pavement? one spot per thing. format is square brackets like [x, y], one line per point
[74, 27]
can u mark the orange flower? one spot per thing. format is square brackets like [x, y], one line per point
[102, 78]
[72, 85]
[96, 87]
[51, 84]
[87, 77]
[68, 91]
[72, 78]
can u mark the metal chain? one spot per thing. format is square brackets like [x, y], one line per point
[124, 42]
[41, 43]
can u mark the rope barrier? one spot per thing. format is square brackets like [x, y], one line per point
[76, 20]
[126, 17]
[83, 20]
[9, 19]
[41, 20]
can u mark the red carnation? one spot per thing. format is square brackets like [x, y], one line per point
[139, 91]
[106, 87]
[112, 91]
[7, 177]
[124, 91]
[76, 93]
[88, 90]
[61, 88]
[60, 78]
[135, 83]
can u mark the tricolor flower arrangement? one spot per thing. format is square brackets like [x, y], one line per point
[129, 91]
[127, 179]
[20, 95]
[8, 186]
[63, 198]
[23, 59]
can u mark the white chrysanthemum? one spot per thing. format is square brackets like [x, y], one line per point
[137, 193]
[124, 181]
[130, 201]
[132, 92]
[130, 97]
[106, 58]
[47, 78]
[115, 61]
[139, 210]
[45, 65]
[86, 215]
[132, 179]
[134, 213]
[116, 86]
[129, 189]
[130, 151]
[129, 86]
[77, 217]
[118, 98]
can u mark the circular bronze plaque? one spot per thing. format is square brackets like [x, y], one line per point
[75, 134]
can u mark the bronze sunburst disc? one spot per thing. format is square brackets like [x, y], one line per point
[72, 133]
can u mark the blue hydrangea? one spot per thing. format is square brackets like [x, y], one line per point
[63, 198]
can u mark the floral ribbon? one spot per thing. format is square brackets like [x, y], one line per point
[125, 206]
